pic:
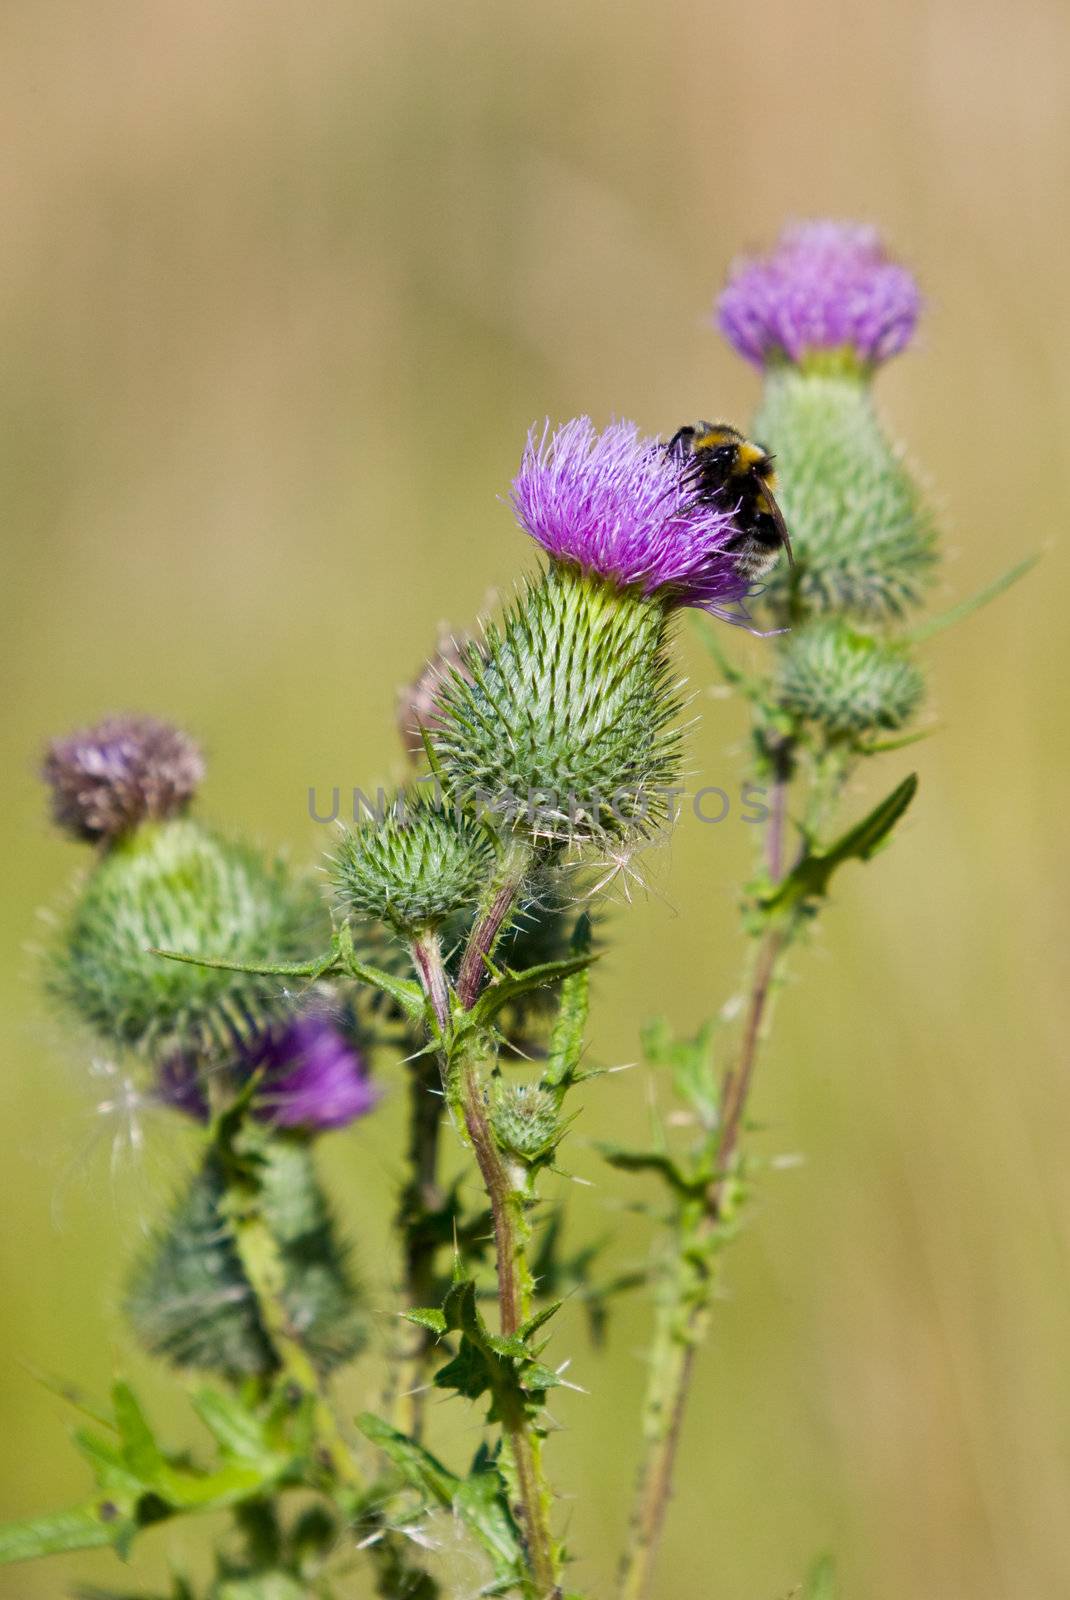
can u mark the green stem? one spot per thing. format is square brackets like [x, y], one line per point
[682, 1319]
[263, 1267]
[421, 1200]
[683, 1314]
[507, 1206]
[502, 895]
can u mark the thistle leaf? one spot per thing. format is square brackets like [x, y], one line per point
[809, 879]
[966, 608]
[86, 1528]
[511, 985]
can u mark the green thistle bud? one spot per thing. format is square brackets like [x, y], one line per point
[415, 867]
[560, 720]
[189, 1301]
[862, 537]
[177, 886]
[525, 1121]
[846, 681]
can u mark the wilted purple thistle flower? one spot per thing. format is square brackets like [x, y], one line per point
[418, 703]
[616, 504]
[311, 1077]
[107, 779]
[824, 286]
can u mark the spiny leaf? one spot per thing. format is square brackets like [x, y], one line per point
[235, 1429]
[85, 1528]
[809, 879]
[566, 1040]
[141, 1453]
[658, 1161]
[282, 969]
[429, 1317]
[540, 1318]
[511, 985]
[481, 1503]
[417, 1466]
[479, 1500]
[966, 608]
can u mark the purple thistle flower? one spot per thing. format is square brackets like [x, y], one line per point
[617, 505]
[823, 286]
[107, 779]
[312, 1078]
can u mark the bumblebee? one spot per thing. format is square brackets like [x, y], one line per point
[727, 470]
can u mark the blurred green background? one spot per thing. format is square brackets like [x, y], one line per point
[281, 289]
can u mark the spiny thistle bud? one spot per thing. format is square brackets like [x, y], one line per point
[107, 779]
[188, 1299]
[177, 886]
[312, 1078]
[848, 682]
[827, 297]
[863, 538]
[524, 1118]
[417, 865]
[562, 723]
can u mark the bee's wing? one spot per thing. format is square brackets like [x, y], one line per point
[778, 518]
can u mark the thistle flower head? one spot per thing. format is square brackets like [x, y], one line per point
[178, 886]
[312, 1078]
[824, 287]
[848, 682]
[414, 867]
[188, 1298]
[107, 779]
[615, 505]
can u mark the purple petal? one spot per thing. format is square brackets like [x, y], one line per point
[824, 286]
[616, 504]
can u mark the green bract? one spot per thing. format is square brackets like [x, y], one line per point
[846, 681]
[417, 865]
[177, 886]
[561, 719]
[863, 540]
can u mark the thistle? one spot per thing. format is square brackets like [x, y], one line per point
[308, 1077]
[847, 682]
[562, 719]
[108, 779]
[413, 869]
[556, 729]
[190, 1299]
[176, 885]
[163, 881]
[821, 313]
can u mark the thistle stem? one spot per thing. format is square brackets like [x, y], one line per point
[421, 1198]
[262, 1264]
[507, 1212]
[502, 896]
[683, 1315]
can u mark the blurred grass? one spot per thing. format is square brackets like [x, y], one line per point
[281, 290]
